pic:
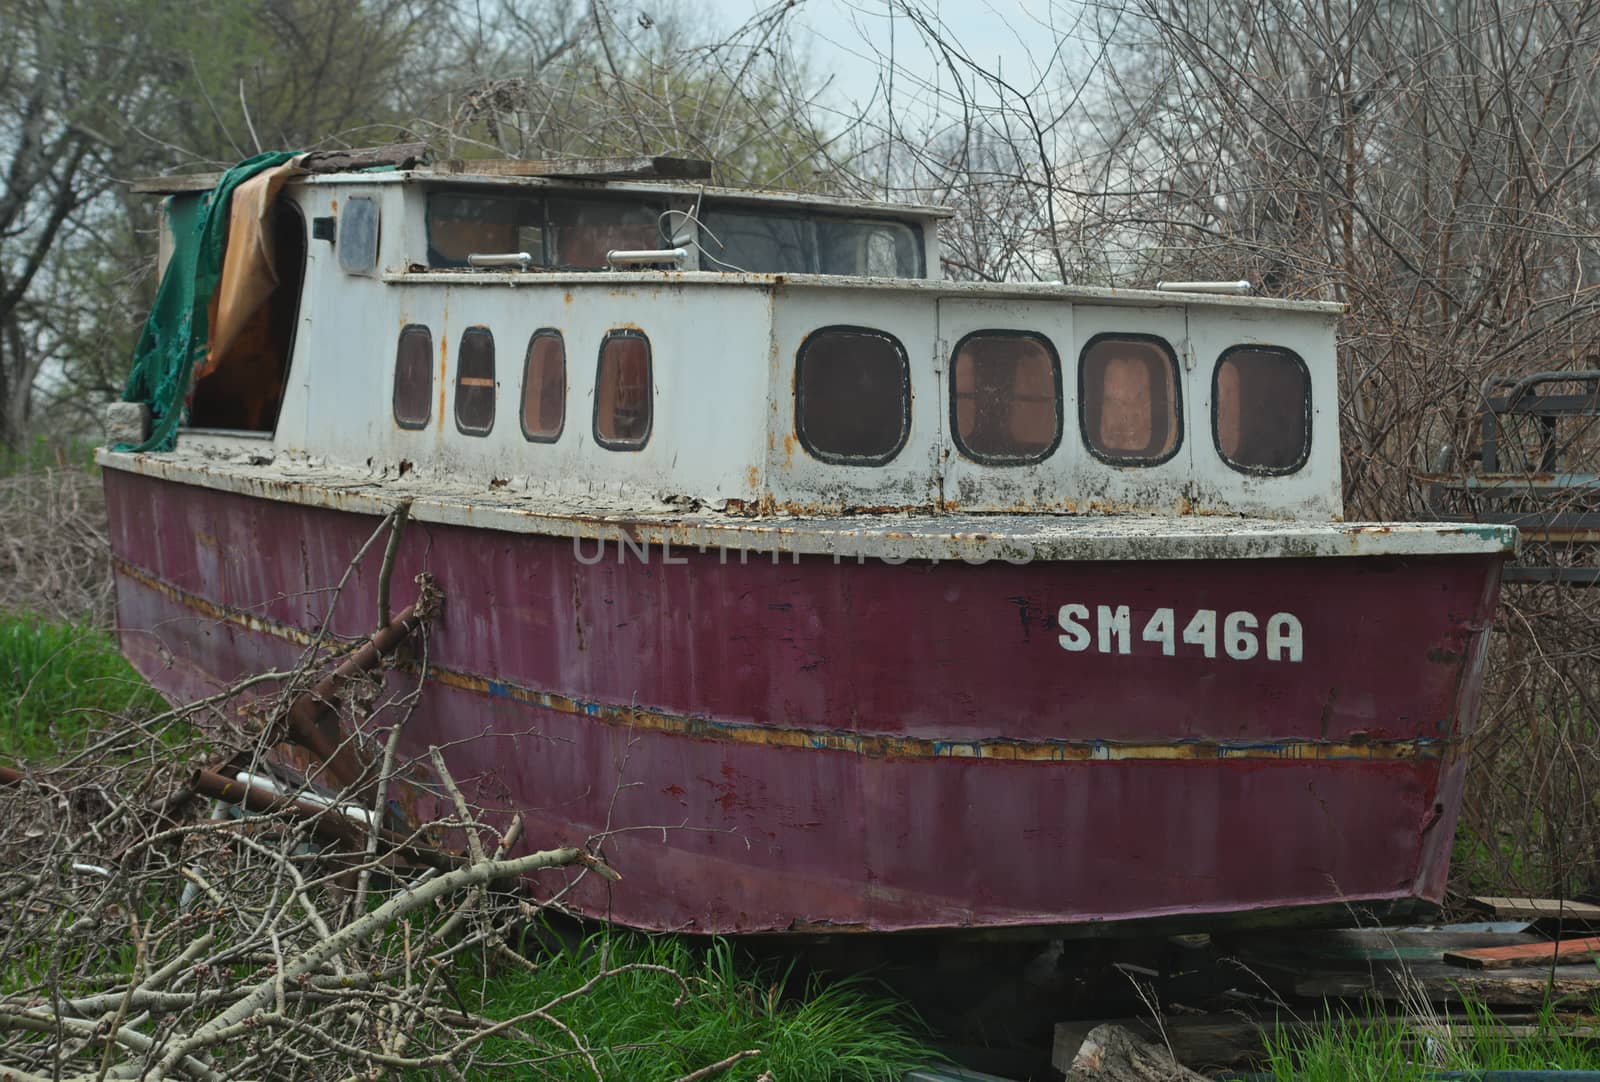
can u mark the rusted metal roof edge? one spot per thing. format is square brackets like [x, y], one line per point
[896, 537]
[1144, 298]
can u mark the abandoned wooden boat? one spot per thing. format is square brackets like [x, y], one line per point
[833, 595]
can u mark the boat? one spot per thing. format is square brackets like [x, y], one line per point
[819, 593]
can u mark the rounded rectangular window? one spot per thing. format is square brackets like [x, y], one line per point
[413, 377]
[852, 396]
[358, 235]
[623, 392]
[544, 386]
[1128, 399]
[1261, 409]
[475, 382]
[1005, 397]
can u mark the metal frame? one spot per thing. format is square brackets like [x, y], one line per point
[1555, 511]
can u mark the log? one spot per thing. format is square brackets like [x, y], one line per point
[1206, 1041]
[1111, 1054]
[1525, 954]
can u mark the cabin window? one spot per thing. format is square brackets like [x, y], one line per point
[358, 235]
[623, 396]
[463, 223]
[557, 232]
[413, 377]
[581, 231]
[544, 386]
[852, 396]
[1005, 397]
[767, 242]
[475, 382]
[1261, 403]
[1128, 398]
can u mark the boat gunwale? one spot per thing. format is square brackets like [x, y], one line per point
[941, 288]
[893, 535]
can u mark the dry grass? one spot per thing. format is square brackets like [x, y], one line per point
[53, 551]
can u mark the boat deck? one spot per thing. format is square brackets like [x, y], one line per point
[595, 515]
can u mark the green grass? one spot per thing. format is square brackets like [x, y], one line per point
[1379, 1049]
[638, 1029]
[59, 682]
[44, 453]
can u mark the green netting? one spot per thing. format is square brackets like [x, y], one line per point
[176, 332]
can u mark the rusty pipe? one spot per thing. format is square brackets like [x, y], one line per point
[311, 718]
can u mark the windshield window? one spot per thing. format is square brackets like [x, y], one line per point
[558, 232]
[763, 242]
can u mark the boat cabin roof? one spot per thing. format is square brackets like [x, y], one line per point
[462, 173]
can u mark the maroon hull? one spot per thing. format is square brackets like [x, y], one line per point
[921, 745]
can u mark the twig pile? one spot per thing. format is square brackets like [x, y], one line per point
[53, 546]
[284, 928]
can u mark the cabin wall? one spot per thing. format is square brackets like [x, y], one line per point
[708, 352]
[723, 352]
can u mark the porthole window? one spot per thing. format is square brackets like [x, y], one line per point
[544, 386]
[475, 382]
[1005, 397]
[1128, 399]
[623, 392]
[1261, 409]
[852, 396]
[413, 377]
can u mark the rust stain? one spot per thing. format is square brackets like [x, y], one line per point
[826, 738]
[444, 351]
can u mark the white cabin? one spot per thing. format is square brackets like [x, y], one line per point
[798, 355]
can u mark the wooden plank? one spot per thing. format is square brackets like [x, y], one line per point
[189, 182]
[1440, 983]
[1364, 946]
[1525, 954]
[399, 155]
[638, 168]
[1540, 909]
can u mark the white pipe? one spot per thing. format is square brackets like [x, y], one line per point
[1241, 286]
[261, 781]
[520, 260]
[675, 256]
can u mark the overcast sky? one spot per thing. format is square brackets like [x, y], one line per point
[843, 39]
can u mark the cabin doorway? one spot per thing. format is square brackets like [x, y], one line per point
[241, 389]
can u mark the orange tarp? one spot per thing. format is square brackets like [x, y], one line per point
[248, 275]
